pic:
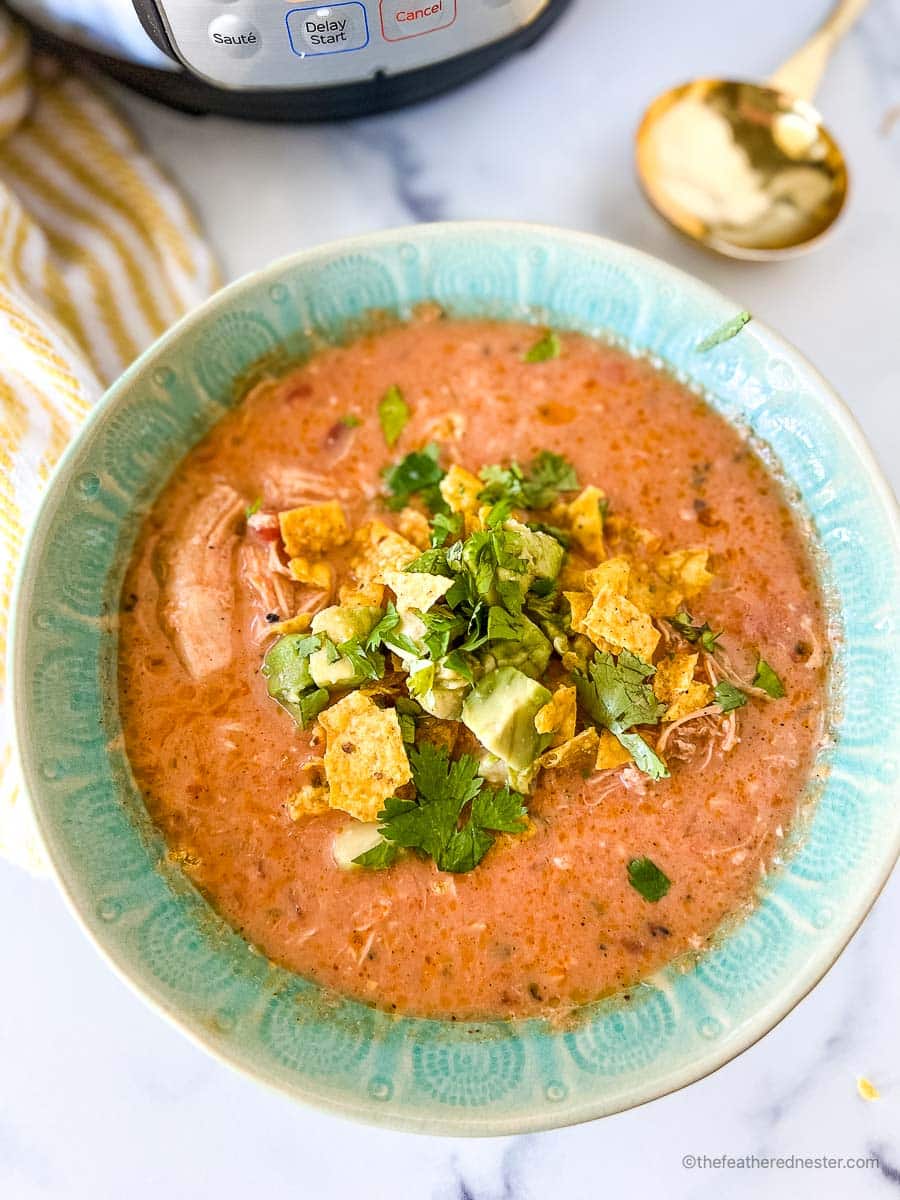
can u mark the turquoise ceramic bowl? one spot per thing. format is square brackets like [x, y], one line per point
[464, 1078]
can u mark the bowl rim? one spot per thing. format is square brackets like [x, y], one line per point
[768, 1013]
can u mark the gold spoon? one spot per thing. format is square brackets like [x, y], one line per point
[749, 169]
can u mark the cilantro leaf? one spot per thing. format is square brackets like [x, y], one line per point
[367, 665]
[768, 680]
[545, 348]
[728, 697]
[646, 877]
[421, 681]
[724, 333]
[645, 757]
[615, 695]
[454, 817]
[379, 632]
[683, 622]
[418, 474]
[536, 486]
[393, 413]
[351, 421]
[445, 527]
[253, 509]
[429, 562]
[380, 856]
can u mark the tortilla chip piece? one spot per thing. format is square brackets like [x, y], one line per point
[610, 753]
[439, 733]
[460, 489]
[369, 595]
[558, 716]
[674, 684]
[413, 525]
[310, 801]
[296, 624]
[613, 623]
[365, 759]
[316, 574]
[313, 528]
[586, 520]
[580, 604]
[612, 575]
[380, 549]
[686, 570]
[415, 590]
[578, 752]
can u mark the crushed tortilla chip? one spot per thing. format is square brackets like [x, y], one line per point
[416, 590]
[612, 621]
[620, 530]
[369, 595]
[413, 525]
[380, 549]
[460, 489]
[867, 1089]
[317, 574]
[439, 733]
[610, 753]
[558, 716]
[296, 624]
[578, 752]
[674, 684]
[312, 799]
[313, 528]
[686, 569]
[580, 603]
[365, 759]
[586, 521]
[449, 427]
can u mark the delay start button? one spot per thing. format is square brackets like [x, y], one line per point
[234, 36]
[328, 28]
[401, 19]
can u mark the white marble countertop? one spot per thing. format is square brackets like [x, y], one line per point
[98, 1097]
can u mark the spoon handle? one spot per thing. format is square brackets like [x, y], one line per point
[801, 74]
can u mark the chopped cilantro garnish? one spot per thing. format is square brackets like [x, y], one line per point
[380, 856]
[445, 527]
[768, 680]
[546, 347]
[724, 333]
[367, 664]
[616, 696]
[351, 421]
[683, 622]
[646, 877]
[253, 508]
[418, 474]
[393, 413]
[454, 817]
[535, 486]
[728, 697]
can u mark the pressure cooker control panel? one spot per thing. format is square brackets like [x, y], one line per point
[279, 44]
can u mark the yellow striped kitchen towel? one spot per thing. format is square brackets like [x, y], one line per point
[98, 254]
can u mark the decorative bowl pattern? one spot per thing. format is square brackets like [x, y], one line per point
[463, 1078]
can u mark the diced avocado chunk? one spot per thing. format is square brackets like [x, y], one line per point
[286, 666]
[338, 624]
[438, 689]
[289, 678]
[341, 622]
[529, 652]
[542, 553]
[500, 711]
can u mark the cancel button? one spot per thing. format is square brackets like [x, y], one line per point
[401, 19]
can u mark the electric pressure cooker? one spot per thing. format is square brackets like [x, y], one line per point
[283, 60]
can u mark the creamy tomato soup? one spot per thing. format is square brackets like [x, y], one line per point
[472, 670]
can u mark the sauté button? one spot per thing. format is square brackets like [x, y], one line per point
[328, 29]
[234, 36]
[401, 19]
